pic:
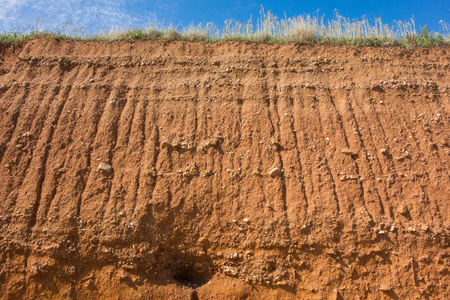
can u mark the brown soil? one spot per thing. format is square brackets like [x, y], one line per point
[171, 170]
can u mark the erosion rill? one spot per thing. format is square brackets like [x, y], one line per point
[172, 170]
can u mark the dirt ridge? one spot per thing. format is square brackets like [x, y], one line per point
[177, 170]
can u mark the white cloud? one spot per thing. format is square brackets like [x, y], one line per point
[9, 7]
[90, 14]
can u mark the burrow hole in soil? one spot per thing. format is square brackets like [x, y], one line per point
[189, 277]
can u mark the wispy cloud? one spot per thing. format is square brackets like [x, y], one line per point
[9, 9]
[93, 15]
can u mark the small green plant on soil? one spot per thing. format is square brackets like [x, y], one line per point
[427, 38]
[220, 74]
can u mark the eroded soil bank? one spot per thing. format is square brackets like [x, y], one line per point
[171, 170]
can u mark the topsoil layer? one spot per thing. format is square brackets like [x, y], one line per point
[172, 170]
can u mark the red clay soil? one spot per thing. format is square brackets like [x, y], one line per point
[172, 170]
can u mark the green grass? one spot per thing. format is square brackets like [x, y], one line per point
[268, 28]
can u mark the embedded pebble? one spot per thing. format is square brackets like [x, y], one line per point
[276, 144]
[165, 144]
[105, 168]
[25, 58]
[281, 283]
[412, 229]
[424, 227]
[193, 171]
[256, 174]
[349, 151]
[214, 142]
[275, 172]
[385, 288]
[402, 209]
[207, 173]
[375, 86]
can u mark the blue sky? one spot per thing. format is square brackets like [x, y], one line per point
[98, 15]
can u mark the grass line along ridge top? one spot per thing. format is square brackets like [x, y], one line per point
[304, 29]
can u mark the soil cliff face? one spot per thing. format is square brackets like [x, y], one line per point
[171, 170]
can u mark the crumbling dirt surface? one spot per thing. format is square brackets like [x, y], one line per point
[172, 170]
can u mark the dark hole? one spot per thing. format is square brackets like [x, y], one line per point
[191, 278]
